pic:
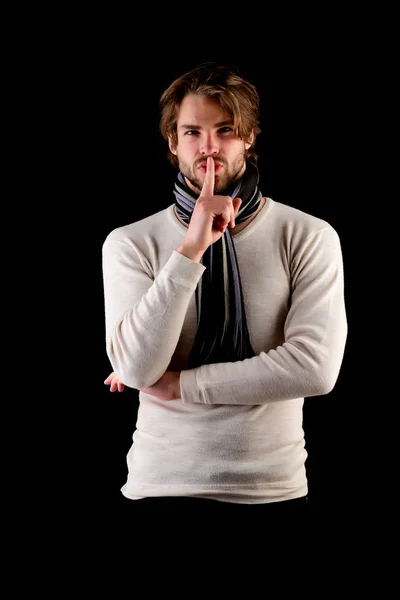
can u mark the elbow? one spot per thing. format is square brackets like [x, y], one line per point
[130, 372]
[326, 386]
[324, 379]
[131, 377]
[134, 380]
[318, 369]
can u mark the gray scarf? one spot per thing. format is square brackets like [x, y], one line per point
[222, 334]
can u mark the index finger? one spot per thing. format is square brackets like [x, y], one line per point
[208, 184]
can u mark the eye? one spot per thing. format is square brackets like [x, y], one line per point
[225, 130]
[191, 132]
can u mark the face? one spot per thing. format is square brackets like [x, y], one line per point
[204, 129]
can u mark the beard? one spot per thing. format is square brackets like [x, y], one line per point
[195, 178]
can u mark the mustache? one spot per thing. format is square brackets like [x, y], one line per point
[204, 159]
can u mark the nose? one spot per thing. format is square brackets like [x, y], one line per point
[209, 144]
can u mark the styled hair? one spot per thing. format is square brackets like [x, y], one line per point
[236, 96]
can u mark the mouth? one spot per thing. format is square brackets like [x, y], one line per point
[217, 167]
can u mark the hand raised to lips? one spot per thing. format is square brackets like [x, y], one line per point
[212, 214]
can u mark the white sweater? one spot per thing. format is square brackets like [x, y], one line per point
[236, 434]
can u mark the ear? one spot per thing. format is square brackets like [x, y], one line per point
[171, 146]
[250, 140]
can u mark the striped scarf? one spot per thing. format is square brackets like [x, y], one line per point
[222, 334]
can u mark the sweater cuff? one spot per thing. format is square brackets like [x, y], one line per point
[190, 391]
[181, 269]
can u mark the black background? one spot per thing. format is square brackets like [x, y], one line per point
[115, 171]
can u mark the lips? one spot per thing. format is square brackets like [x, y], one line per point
[217, 167]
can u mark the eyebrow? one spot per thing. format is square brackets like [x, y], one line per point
[220, 124]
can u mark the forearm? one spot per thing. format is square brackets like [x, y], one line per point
[308, 362]
[140, 344]
[288, 372]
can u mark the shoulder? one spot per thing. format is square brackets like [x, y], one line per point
[303, 235]
[296, 217]
[138, 229]
[299, 224]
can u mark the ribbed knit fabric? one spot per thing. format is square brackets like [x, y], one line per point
[236, 432]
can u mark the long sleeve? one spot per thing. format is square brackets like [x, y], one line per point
[315, 330]
[144, 313]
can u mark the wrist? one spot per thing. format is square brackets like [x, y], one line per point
[191, 253]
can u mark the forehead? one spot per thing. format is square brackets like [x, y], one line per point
[200, 110]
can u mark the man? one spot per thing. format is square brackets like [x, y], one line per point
[225, 310]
